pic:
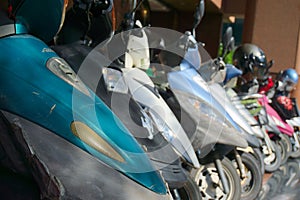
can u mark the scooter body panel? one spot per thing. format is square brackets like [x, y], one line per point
[220, 95]
[29, 89]
[295, 121]
[245, 113]
[281, 125]
[84, 177]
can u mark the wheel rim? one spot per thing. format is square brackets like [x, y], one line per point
[210, 184]
[231, 185]
[251, 182]
[292, 174]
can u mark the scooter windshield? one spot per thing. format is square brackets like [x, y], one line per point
[210, 73]
[213, 73]
[209, 117]
[193, 95]
[210, 123]
[191, 58]
[190, 67]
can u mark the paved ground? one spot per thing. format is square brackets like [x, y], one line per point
[284, 184]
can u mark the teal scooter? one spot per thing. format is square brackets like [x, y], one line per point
[60, 131]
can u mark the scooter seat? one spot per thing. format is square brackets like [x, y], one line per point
[295, 121]
[4, 20]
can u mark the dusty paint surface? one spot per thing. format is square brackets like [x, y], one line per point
[281, 185]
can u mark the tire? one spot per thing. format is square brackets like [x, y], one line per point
[295, 154]
[288, 145]
[287, 141]
[233, 180]
[189, 191]
[284, 154]
[274, 164]
[260, 158]
[210, 185]
[296, 151]
[252, 184]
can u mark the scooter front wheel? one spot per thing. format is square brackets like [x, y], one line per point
[285, 143]
[283, 150]
[272, 161]
[292, 174]
[252, 182]
[295, 154]
[260, 158]
[295, 150]
[189, 191]
[210, 185]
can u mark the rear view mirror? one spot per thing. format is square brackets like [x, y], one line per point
[199, 13]
[270, 64]
[227, 36]
[228, 41]
[231, 44]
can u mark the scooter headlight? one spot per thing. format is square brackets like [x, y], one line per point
[114, 81]
[91, 138]
[161, 126]
[62, 69]
[181, 147]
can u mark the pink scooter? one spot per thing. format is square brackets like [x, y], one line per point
[285, 106]
[283, 131]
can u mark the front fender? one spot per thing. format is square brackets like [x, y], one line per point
[64, 171]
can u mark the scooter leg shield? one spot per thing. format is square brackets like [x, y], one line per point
[64, 171]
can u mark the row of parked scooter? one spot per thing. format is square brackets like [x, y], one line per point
[146, 113]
